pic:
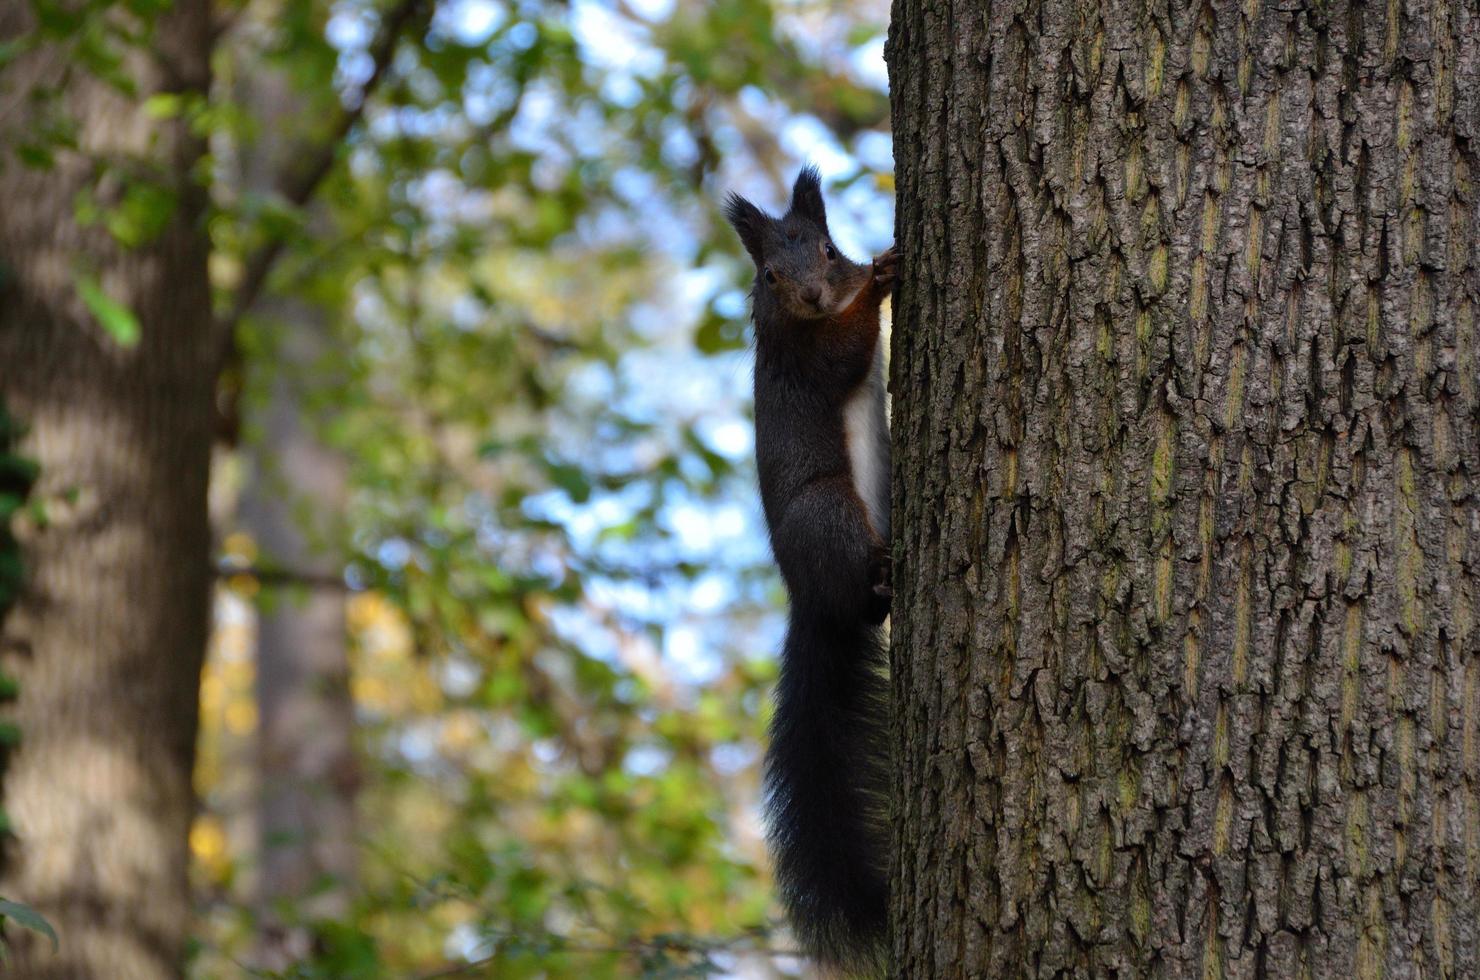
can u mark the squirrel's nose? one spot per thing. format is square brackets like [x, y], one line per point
[812, 294]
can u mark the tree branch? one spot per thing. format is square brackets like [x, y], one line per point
[637, 947]
[270, 577]
[300, 180]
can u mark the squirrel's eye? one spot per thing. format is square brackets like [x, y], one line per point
[827, 250]
[770, 276]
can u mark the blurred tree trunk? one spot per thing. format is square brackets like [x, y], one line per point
[106, 643]
[292, 507]
[1185, 649]
[306, 758]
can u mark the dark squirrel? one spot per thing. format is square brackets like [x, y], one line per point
[822, 449]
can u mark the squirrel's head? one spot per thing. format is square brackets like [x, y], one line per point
[797, 266]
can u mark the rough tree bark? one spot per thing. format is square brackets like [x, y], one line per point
[107, 640]
[1186, 426]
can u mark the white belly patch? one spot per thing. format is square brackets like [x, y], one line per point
[863, 424]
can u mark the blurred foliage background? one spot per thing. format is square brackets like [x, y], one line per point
[503, 306]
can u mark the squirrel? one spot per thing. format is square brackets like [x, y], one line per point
[822, 451]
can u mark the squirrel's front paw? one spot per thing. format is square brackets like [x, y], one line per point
[884, 267]
[881, 584]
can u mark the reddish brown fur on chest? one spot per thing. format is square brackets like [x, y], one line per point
[855, 329]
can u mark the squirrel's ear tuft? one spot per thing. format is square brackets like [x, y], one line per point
[806, 197]
[750, 223]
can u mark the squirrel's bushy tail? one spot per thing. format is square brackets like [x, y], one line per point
[827, 776]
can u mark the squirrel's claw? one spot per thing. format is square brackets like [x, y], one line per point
[881, 584]
[884, 266]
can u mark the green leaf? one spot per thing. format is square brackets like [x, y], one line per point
[56, 18]
[37, 156]
[143, 213]
[717, 334]
[571, 479]
[112, 315]
[10, 49]
[17, 473]
[28, 917]
[164, 105]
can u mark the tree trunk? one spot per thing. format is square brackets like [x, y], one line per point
[1186, 426]
[306, 757]
[107, 641]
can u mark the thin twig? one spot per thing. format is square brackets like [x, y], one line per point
[269, 576]
[299, 181]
